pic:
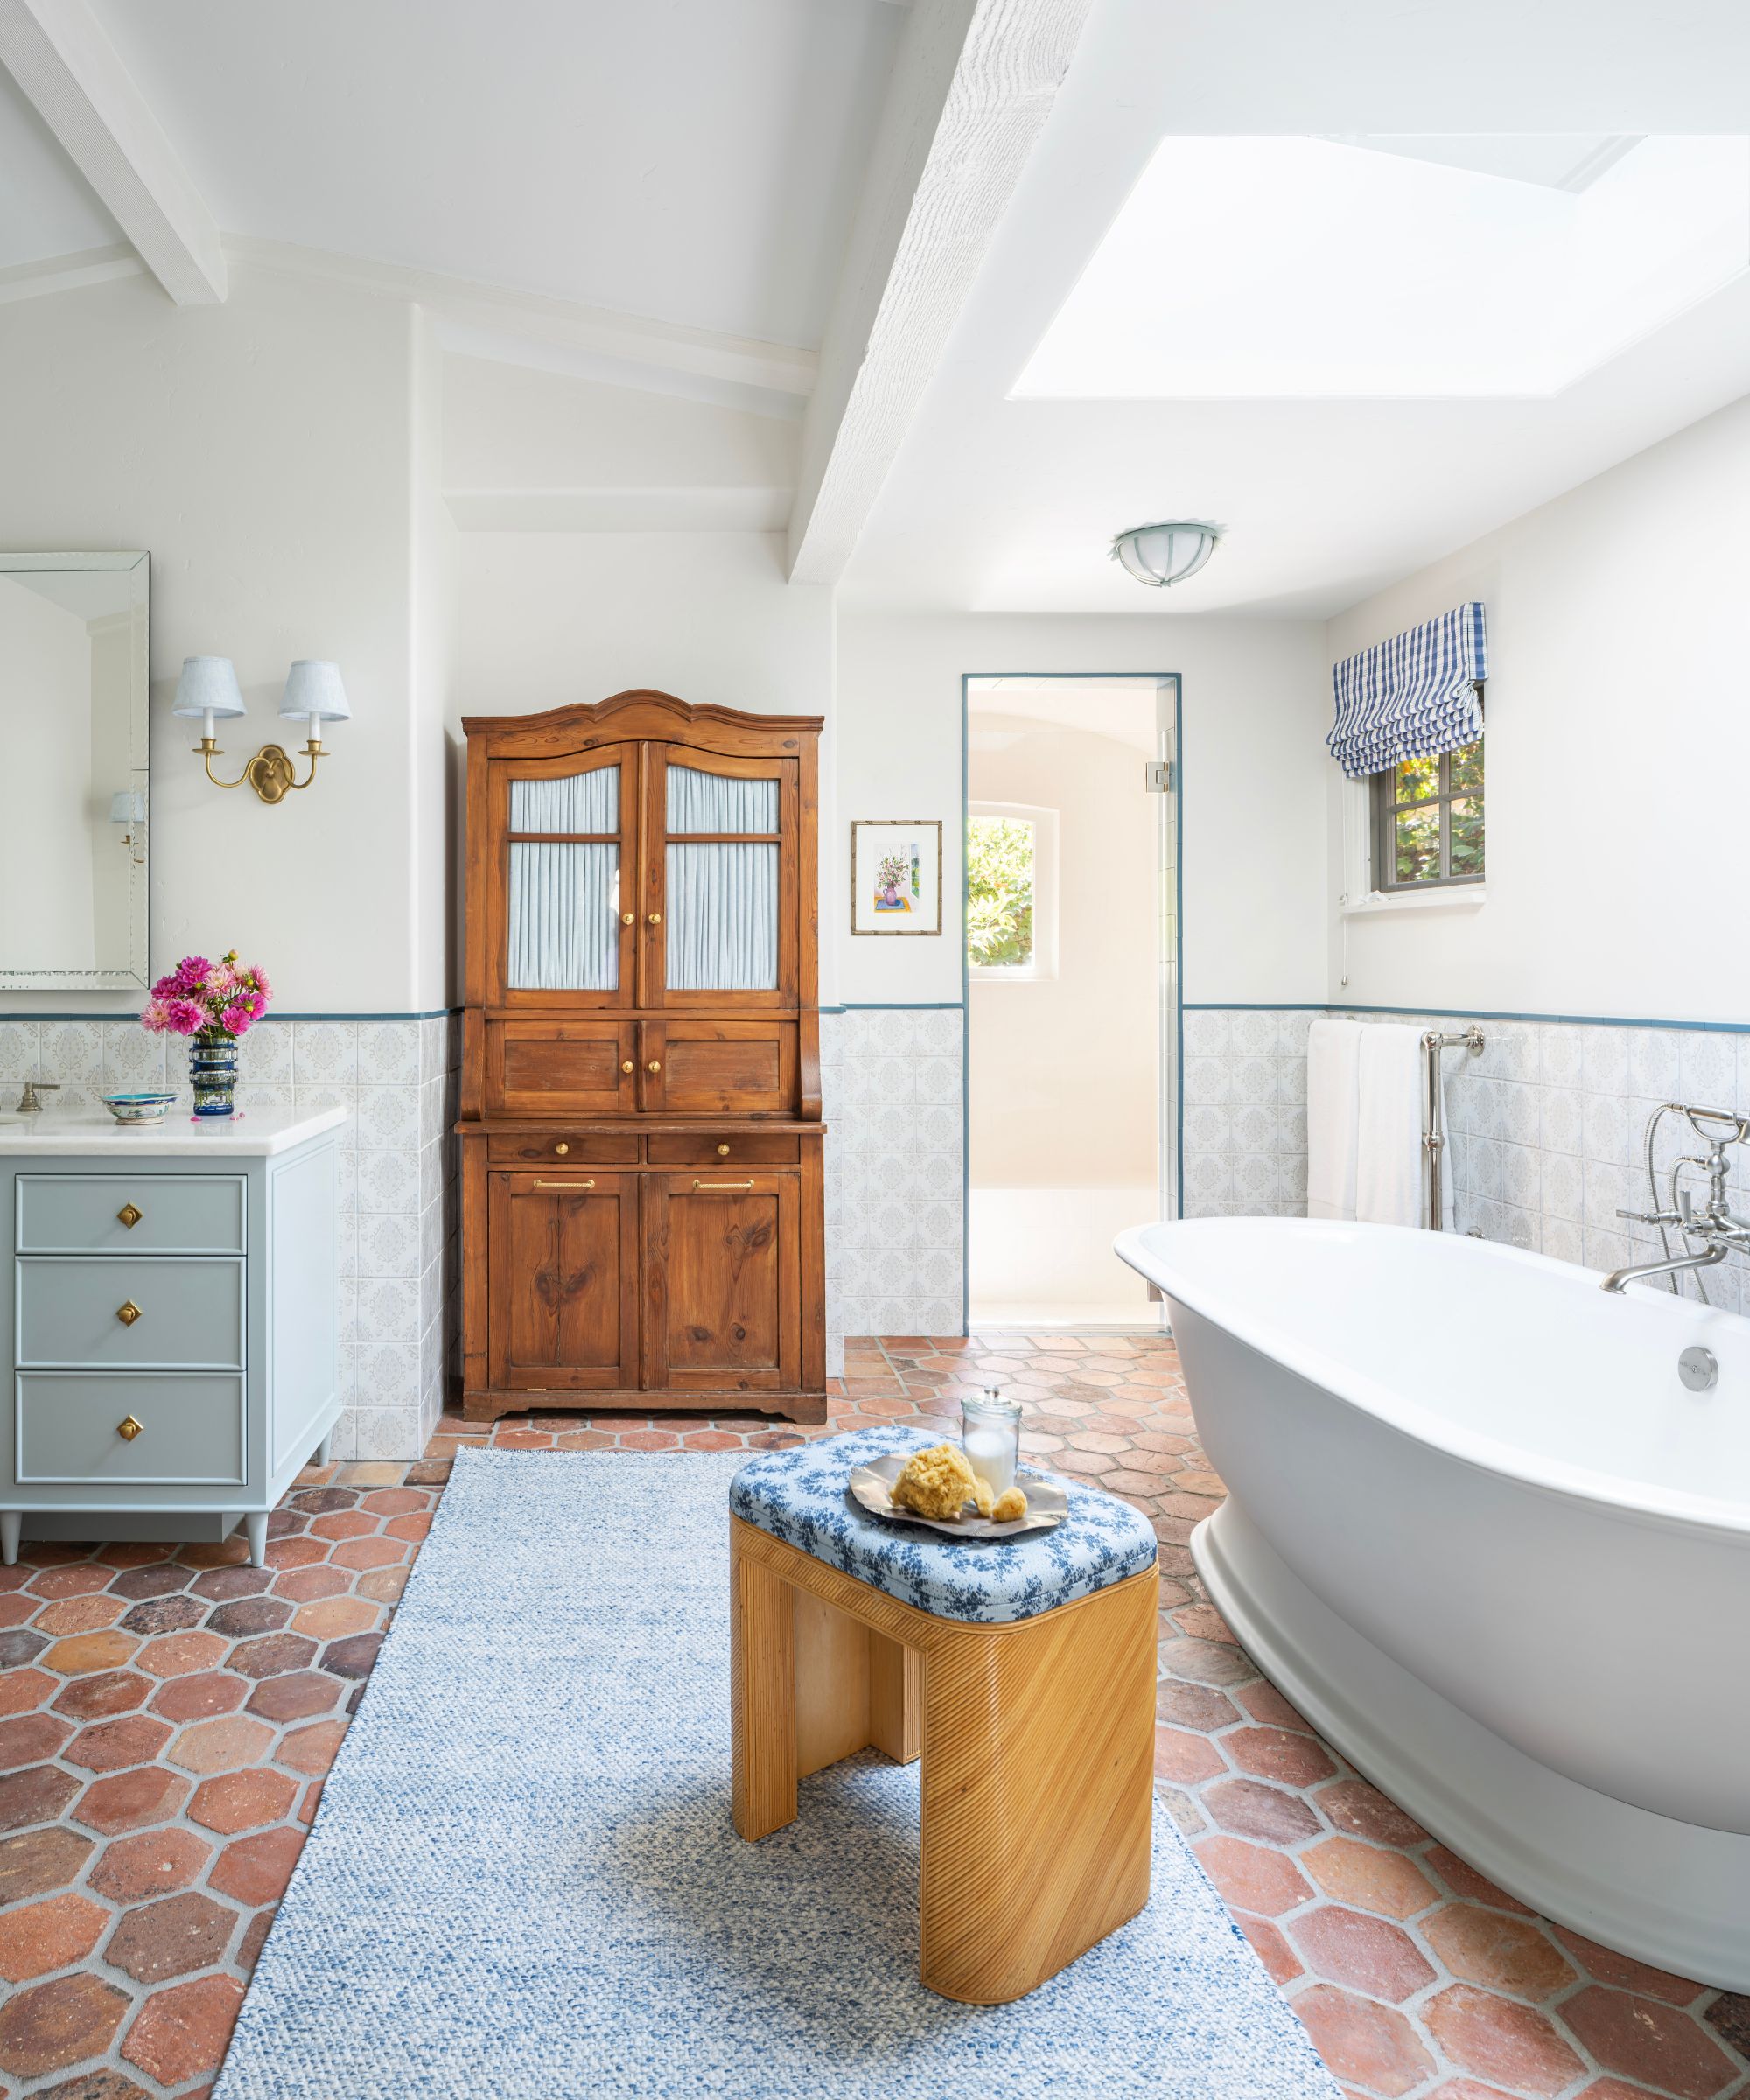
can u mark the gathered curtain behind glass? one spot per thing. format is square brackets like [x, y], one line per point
[564, 918]
[705, 801]
[582, 801]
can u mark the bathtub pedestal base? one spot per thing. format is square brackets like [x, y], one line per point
[1669, 1893]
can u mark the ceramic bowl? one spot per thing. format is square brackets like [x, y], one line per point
[139, 1107]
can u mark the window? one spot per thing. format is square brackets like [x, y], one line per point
[1428, 821]
[1010, 891]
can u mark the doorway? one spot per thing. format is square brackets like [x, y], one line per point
[1072, 992]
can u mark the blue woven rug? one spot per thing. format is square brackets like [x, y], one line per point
[522, 1884]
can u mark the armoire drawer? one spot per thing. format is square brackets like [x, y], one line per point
[190, 1427]
[562, 1147]
[132, 1313]
[131, 1214]
[727, 1148]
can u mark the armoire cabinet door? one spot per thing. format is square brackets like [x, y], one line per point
[700, 1067]
[722, 1282]
[566, 878]
[717, 918]
[563, 1260]
[581, 1067]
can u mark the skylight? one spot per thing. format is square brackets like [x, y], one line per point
[1394, 266]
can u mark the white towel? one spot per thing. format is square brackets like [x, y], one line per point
[1332, 1109]
[1390, 1160]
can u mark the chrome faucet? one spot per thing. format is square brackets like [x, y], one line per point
[28, 1102]
[1715, 1230]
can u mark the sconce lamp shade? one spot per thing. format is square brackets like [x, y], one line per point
[208, 686]
[313, 689]
[126, 808]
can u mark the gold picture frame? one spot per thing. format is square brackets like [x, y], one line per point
[894, 888]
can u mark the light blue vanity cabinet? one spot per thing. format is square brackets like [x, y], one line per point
[172, 1297]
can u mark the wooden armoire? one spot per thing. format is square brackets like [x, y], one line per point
[641, 1133]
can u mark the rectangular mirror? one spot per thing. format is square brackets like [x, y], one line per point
[74, 823]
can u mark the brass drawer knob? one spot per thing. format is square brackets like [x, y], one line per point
[655, 1065]
[130, 1214]
[128, 1428]
[655, 918]
[562, 1149]
[628, 1065]
[127, 1313]
[627, 918]
[722, 1151]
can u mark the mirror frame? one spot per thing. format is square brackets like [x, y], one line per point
[137, 976]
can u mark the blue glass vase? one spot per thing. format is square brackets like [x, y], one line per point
[213, 1068]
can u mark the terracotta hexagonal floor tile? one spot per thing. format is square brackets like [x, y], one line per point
[1368, 1878]
[193, 1698]
[182, 2033]
[49, 1934]
[110, 1691]
[1729, 2016]
[1184, 1757]
[224, 1585]
[353, 1656]
[1271, 1949]
[1630, 1975]
[99, 2085]
[84, 1654]
[1359, 1811]
[79, 1579]
[242, 1800]
[30, 1739]
[111, 1746]
[1464, 1880]
[1194, 1705]
[126, 1800]
[1204, 1662]
[53, 2025]
[1355, 1947]
[171, 1937]
[249, 1616]
[79, 1614]
[296, 1696]
[360, 1553]
[255, 1870]
[308, 1586]
[36, 1861]
[1372, 2044]
[311, 1750]
[164, 1615]
[273, 1655]
[1649, 2041]
[1279, 1753]
[161, 1579]
[224, 1745]
[1499, 1951]
[1500, 2041]
[20, 1690]
[133, 1870]
[35, 1795]
[331, 1618]
[1250, 1877]
[181, 1655]
[1252, 1810]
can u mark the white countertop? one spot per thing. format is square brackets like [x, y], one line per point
[258, 1134]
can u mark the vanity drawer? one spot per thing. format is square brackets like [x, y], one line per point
[190, 1427]
[548, 1148]
[190, 1313]
[172, 1213]
[727, 1148]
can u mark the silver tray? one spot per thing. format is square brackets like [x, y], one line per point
[872, 1485]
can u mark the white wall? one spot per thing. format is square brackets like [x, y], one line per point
[260, 452]
[1254, 770]
[1618, 739]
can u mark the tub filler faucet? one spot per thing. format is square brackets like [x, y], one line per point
[1712, 1232]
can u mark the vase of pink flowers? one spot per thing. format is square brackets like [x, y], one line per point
[213, 1004]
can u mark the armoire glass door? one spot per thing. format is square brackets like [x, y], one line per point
[568, 828]
[723, 934]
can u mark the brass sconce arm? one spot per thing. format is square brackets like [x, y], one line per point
[270, 772]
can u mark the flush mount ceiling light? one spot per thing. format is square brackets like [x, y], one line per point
[1160, 554]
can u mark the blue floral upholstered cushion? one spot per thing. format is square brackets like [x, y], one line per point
[800, 1496]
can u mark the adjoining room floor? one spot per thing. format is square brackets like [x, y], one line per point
[168, 1718]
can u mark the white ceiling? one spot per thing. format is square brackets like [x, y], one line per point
[1000, 504]
[690, 161]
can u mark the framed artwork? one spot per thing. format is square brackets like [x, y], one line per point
[896, 876]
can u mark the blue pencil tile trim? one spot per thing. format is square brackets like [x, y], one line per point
[800, 1496]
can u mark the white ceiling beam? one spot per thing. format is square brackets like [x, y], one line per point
[67, 68]
[973, 83]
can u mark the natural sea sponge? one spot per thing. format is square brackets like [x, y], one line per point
[937, 1482]
[1009, 1506]
[983, 1500]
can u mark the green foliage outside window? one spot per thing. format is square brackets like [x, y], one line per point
[1000, 892]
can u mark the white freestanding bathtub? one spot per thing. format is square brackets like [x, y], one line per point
[1483, 1536]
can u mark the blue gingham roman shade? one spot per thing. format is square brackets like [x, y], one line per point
[1412, 696]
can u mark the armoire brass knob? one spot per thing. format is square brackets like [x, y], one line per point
[627, 918]
[722, 1151]
[628, 1065]
[655, 918]
[654, 1066]
[562, 1150]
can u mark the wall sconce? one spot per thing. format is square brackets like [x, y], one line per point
[313, 695]
[129, 808]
